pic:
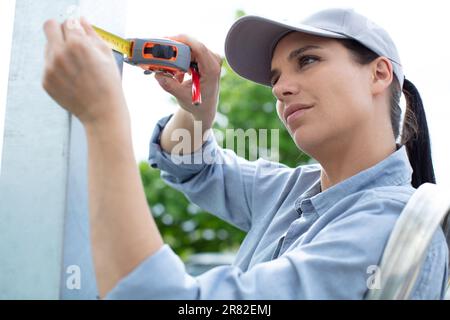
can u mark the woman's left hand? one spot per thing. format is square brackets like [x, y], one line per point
[81, 73]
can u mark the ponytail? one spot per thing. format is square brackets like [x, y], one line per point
[416, 138]
[414, 134]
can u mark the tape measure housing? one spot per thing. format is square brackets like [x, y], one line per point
[152, 55]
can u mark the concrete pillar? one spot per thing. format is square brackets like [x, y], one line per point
[44, 234]
[6, 28]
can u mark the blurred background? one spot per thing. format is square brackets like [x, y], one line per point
[418, 28]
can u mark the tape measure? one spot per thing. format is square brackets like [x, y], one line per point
[156, 55]
[116, 43]
[152, 55]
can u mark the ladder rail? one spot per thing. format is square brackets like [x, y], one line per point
[407, 246]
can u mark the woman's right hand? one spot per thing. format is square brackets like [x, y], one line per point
[209, 66]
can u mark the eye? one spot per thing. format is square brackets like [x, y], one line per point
[306, 60]
[303, 61]
[273, 81]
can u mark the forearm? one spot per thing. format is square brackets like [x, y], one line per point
[195, 128]
[123, 232]
[81, 75]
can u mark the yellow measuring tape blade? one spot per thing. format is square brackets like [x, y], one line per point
[116, 43]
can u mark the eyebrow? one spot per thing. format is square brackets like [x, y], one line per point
[294, 54]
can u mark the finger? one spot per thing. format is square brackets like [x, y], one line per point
[181, 91]
[219, 58]
[53, 32]
[72, 28]
[200, 53]
[180, 76]
[93, 35]
[89, 30]
[47, 50]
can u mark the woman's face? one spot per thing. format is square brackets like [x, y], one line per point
[324, 96]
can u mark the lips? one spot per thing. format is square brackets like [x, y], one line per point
[293, 108]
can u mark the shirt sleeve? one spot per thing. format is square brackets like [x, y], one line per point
[215, 179]
[335, 265]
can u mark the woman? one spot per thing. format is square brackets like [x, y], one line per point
[314, 231]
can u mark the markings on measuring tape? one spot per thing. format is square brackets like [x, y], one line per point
[115, 42]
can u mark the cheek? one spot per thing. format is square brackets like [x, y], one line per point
[280, 110]
[346, 100]
[342, 108]
[337, 114]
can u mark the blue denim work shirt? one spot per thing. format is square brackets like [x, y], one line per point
[301, 243]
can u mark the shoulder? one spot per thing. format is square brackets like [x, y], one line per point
[369, 216]
[386, 201]
[401, 193]
[375, 213]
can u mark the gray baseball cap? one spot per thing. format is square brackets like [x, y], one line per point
[251, 40]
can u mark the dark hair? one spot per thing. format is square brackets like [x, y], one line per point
[414, 134]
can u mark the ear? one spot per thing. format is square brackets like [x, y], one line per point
[382, 75]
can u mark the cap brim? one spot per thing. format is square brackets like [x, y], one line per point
[250, 43]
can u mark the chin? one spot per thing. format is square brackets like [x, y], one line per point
[305, 141]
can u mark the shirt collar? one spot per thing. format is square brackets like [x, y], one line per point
[394, 170]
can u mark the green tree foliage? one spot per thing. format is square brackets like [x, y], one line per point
[184, 226]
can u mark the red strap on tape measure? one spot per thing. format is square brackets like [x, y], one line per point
[196, 93]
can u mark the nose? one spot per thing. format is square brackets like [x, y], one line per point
[284, 88]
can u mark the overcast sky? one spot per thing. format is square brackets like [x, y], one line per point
[419, 28]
